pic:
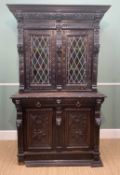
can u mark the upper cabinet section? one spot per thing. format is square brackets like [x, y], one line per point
[58, 46]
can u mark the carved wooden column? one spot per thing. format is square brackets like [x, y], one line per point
[19, 125]
[97, 131]
[59, 125]
[21, 52]
[59, 75]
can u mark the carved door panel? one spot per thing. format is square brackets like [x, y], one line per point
[40, 59]
[39, 129]
[77, 54]
[77, 128]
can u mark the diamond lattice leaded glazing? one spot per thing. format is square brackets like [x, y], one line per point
[40, 59]
[76, 62]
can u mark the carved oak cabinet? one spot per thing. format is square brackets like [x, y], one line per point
[58, 106]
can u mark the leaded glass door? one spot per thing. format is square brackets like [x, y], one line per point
[78, 45]
[40, 59]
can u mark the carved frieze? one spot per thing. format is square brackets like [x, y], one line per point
[58, 16]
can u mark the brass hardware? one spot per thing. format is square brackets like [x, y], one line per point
[38, 104]
[58, 87]
[58, 101]
[78, 104]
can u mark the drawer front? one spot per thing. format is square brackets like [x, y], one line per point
[55, 102]
[38, 103]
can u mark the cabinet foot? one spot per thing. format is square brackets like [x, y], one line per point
[97, 163]
[20, 159]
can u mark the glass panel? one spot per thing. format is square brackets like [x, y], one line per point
[40, 59]
[76, 62]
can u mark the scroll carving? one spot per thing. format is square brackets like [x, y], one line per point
[18, 122]
[96, 48]
[20, 48]
[98, 121]
[58, 121]
[18, 106]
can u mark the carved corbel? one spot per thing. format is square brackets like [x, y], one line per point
[58, 116]
[58, 121]
[20, 48]
[18, 122]
[99, 102]
[98, 121]
[17, 102]
[98, 16]
[19, 16]
[96, 48]
[18, 107]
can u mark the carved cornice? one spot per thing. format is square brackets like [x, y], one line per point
[58, 12]
[58, 16]
[19, 17]
[58, 8]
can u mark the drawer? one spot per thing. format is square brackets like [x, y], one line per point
[38, 102]
[57, 102]
[77, 102]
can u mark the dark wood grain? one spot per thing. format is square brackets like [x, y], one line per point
[58, 106]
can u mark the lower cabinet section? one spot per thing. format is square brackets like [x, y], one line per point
[45, 131]
[58, 134]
